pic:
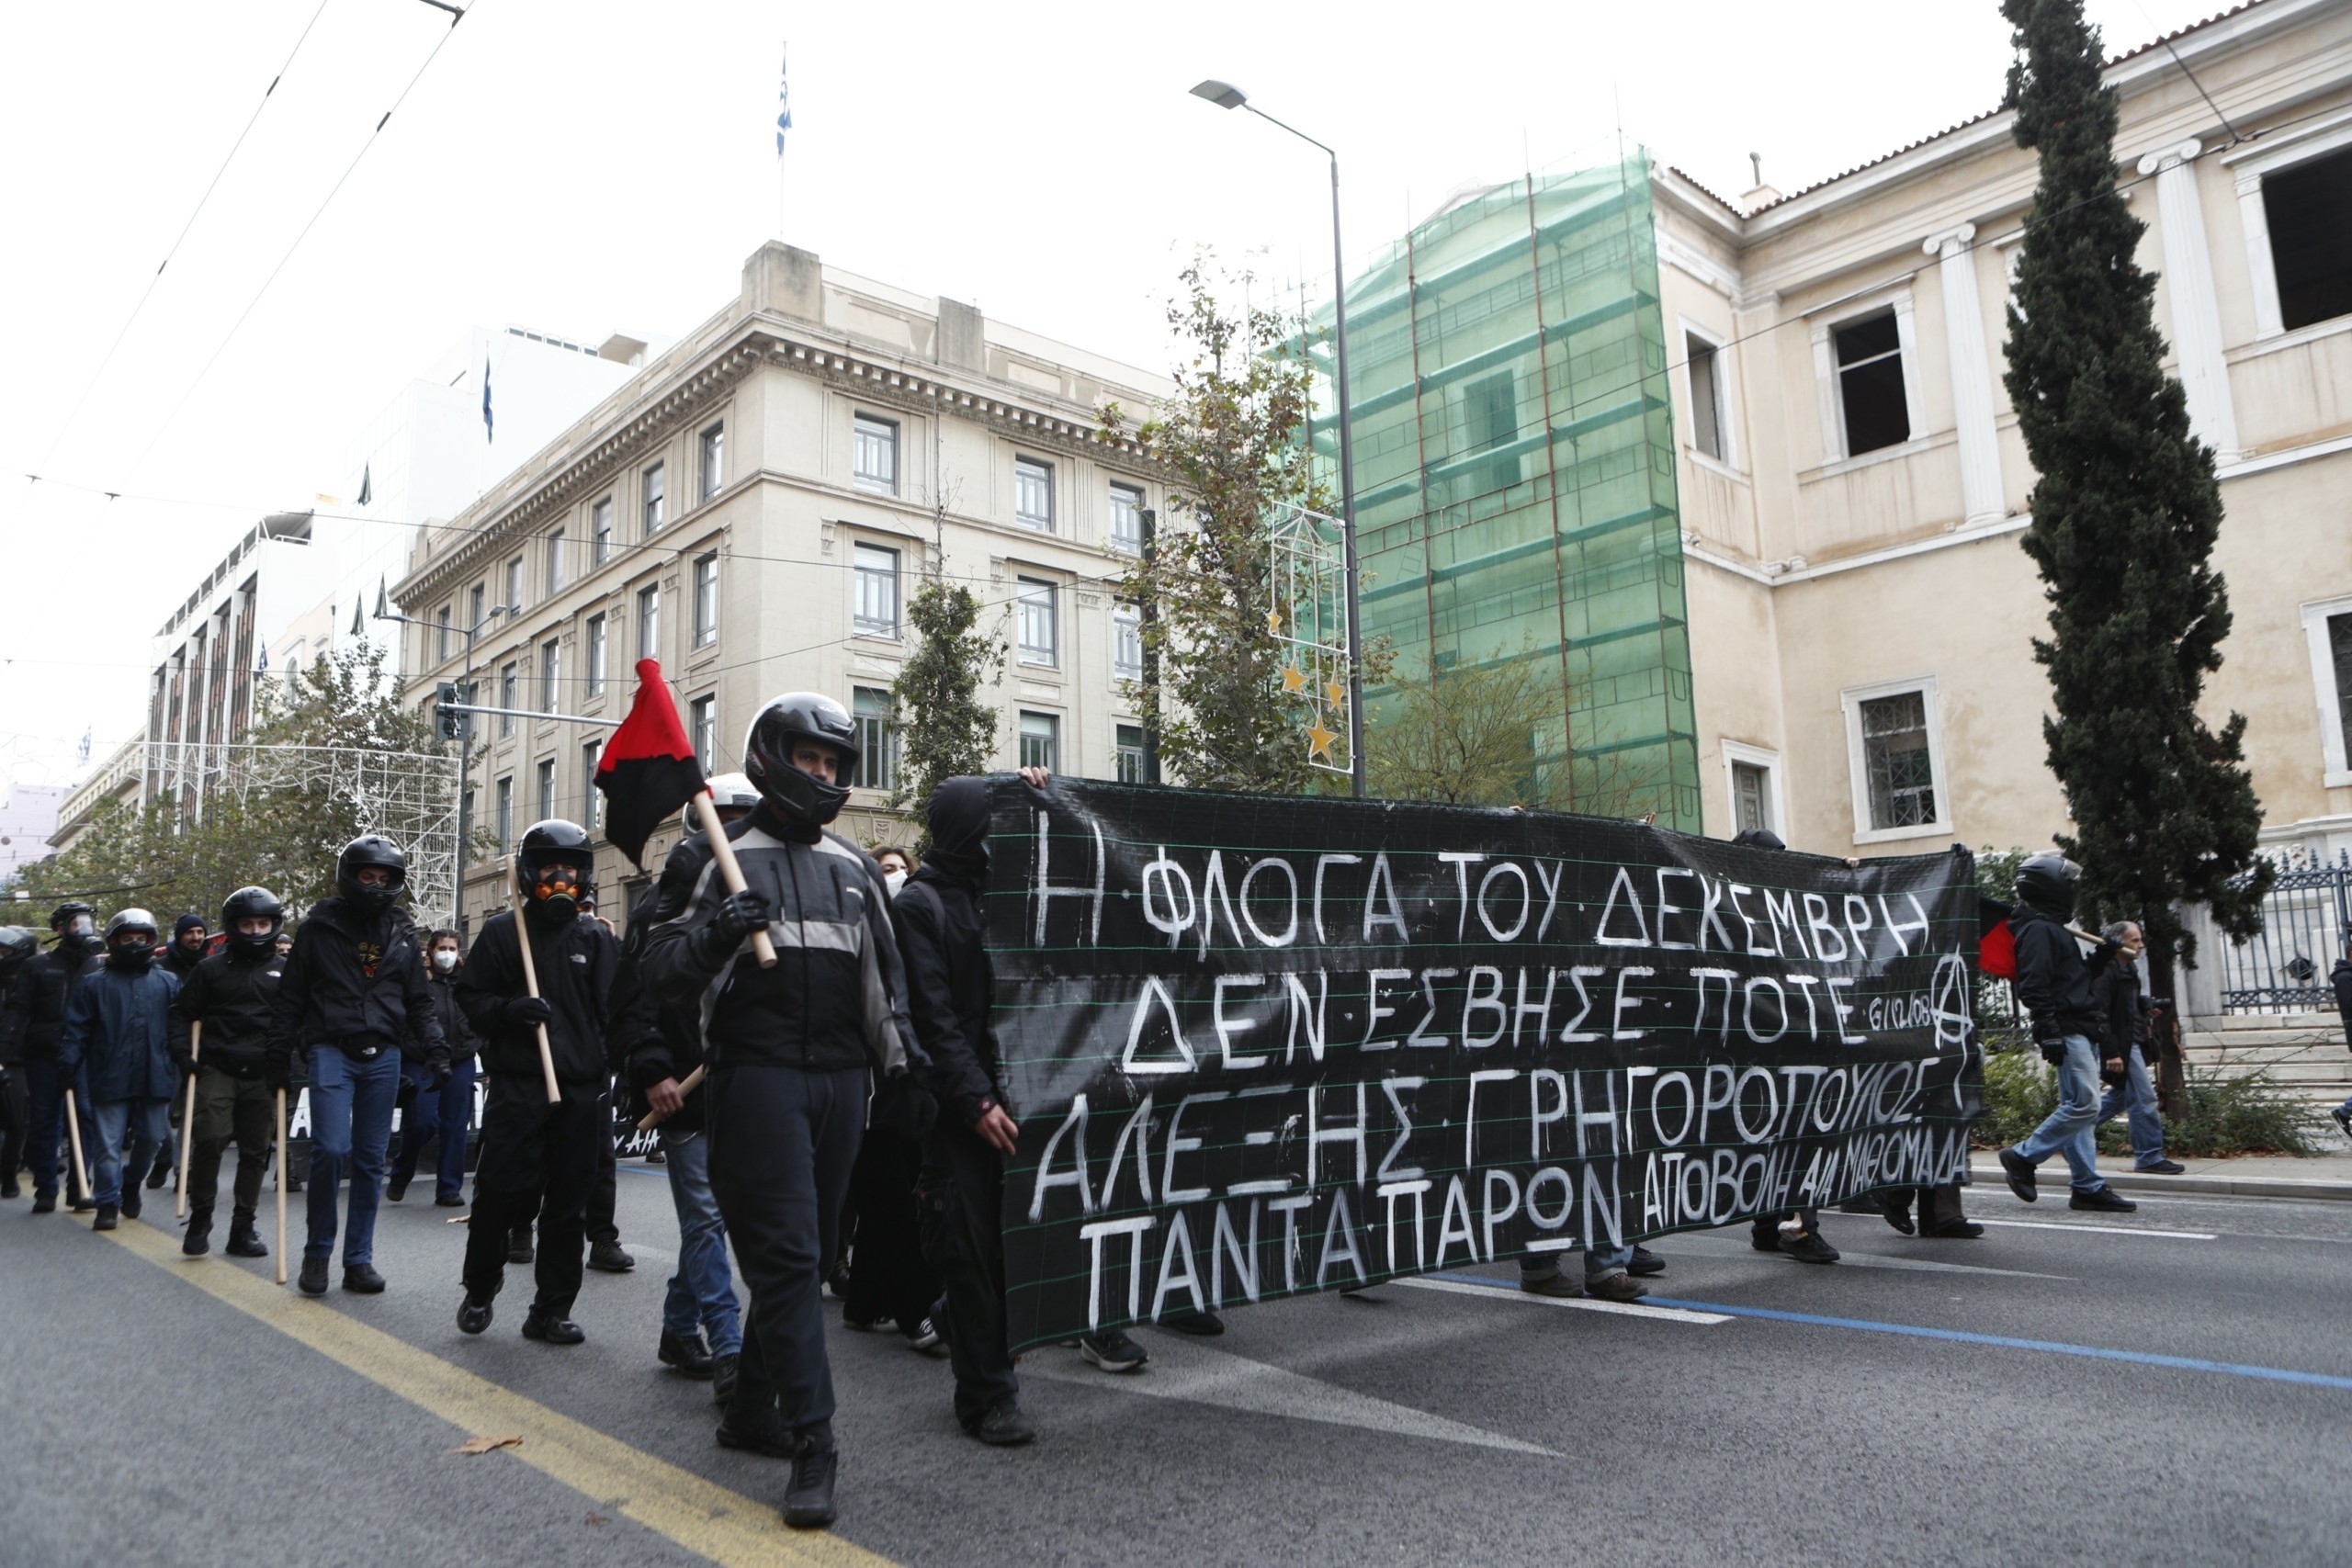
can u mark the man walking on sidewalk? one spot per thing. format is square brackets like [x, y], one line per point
[231, 994]
[2131, 1089]
[2056, 982]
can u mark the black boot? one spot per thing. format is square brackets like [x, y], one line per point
[724, 1371]
[1897, 1210]
[551, 1328]
[132, 1201]
[809, 1497]
[162, 1172]
[105, 1221]
[243, 1242]
[198, 1239]
[689, 1355]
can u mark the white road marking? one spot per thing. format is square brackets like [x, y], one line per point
[1503, 1291]
[2104, 1230]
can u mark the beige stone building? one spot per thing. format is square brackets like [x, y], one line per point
[755, 508]
[1852, 481]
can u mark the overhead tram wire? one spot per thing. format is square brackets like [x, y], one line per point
[108, 358]
[455, 18]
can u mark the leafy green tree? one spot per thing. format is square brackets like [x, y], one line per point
[945, 728]
[2125, 514]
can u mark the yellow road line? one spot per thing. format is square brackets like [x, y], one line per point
[699, 1515]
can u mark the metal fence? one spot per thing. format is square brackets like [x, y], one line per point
[2304, 917]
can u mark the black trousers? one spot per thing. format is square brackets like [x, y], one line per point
[888, 1275]
[16, 1115]
[604, 1197]
[536, 1158]
[782, 1146]
[229, 1108]
[960, 1194]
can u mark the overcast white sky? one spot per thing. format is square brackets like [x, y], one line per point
[585, 167]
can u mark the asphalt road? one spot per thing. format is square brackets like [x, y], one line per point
[2174, 1385]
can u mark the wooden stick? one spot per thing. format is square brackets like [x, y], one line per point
[731, 871]
[652, 1119]
[281, 1187]
[531, 980]
[187, 1117]
[81, 1171]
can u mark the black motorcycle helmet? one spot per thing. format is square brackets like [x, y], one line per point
[370, 849]
[17, 944]
[1759, 838]
[133, 955]
[550, 843]
[244, 904]
[796, 797]
[63, 918]
[2050, 882]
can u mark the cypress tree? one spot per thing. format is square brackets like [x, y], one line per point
[2125, 514]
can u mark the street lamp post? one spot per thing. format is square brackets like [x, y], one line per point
[1227, 96]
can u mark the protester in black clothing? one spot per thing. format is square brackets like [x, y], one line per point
[2057, 983]
[790, 1049]
[441, 1114]
[17, 945]
[232, 994]
[44, 986]
[2341, 978]
[539, 1156]
[352, 991]
[191, 941]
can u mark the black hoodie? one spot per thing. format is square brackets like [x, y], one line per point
[950, 984]
[2055, 980]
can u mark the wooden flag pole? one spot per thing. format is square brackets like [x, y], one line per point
[531, 980]
[731, 871]
[74, 1140]
[652, 1119]
[187, 1117]
[281, 1187]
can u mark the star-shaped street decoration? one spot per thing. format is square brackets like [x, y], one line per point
[1335, 693]
[1318, 741]
[1274, 620]
[1294, 679]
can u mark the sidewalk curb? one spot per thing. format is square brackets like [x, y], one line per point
[2221, 1185]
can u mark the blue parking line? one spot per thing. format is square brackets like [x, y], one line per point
[1960, 1336]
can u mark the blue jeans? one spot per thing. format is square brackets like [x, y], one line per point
[2072, 1129]
[445, 1111]
[1599, 1262]
[45, 1084]
[351, 1121]
[148, 1122]
[702, 1292]
[2137, 1096]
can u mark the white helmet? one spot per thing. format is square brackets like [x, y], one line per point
[130, 919]
[728, 791]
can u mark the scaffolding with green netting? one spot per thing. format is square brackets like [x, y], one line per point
[1514, 468]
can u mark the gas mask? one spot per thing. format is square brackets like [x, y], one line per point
[556, 890]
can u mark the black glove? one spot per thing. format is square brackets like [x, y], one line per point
[437, 1070]
[742, 914]
[524, 1011]
[404, 1096]
[276, 1071]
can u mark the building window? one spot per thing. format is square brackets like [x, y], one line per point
[1040, 633]
[1751, 800]
[2339, 650]
[648, 622]
[877, 740]
[1033, 494]
[1491, 424]
[702, 728]
[2328, 627]
[441, 634]
[653, 512]
[592, 799]
[1897, 774]
[2309, 211]
[706, 599]
[547, 788]
[510, 697]
[876, 570]
[514, 585]
[505, 820]
[600, 524]
[714, 460]
[1703, 368]
[554, 563]
[475, 608]
[1126, 643]
[1130, 753]
[1041, 741]
[550, 668]
[595, 670]
[1126, 519]
[1870, 383]
[875, 465]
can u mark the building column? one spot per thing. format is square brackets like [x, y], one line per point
[1972, 375]
[2196, 316]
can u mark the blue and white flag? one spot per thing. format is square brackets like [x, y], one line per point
[487, 434]
[782, 103]
[262, 668]
[83, 751]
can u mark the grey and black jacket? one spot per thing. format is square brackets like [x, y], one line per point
[837, 996]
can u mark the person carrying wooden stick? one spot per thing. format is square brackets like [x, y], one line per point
[542, 1014]
[231, 995]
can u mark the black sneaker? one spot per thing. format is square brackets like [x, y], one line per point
[105, 1221]
[243, 1242]
[395, 1190]
[1004, 1427]
[1619, 1286]
[473, 1313]
[691, 1357]
[313, 1278]
[1113, 1350]
[549, 1329]
[2105, 1201]
[1896, 1211]
[760, 1432]
[1204, 1325]
[851, 1319]
[160, 1171]
[198, 1239]
[362, 1280]
[926, 1337]
[449, 1201]
[1958, 1230]
[809, 1496]
[8, 1188]
[131, 1201]
[1645, 1262]
[2161, 1168]
[44, 1203]
[1807, 1246]
[724, 1371]
[85, 1204]
[1565, 1286]
[606, 1257]
[1764, 1235]
[2021, 1172]
[518, 1248]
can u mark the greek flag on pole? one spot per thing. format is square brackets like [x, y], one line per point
[783, 104]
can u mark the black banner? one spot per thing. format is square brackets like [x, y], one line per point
[1262, 1046]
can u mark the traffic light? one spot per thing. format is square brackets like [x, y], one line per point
[453, 723]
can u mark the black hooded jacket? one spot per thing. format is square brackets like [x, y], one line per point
[2055, 981]
[236, 998]
[353, 983]
[575, 961]
[941, 939]
[649, 1041]
[456, 1030]
[43, 987]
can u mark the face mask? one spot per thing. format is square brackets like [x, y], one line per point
[443, 961]
[894, 880]
[557, 889]
[132, 957]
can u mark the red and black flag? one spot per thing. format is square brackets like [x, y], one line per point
[648, 769]
[1997, 951]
